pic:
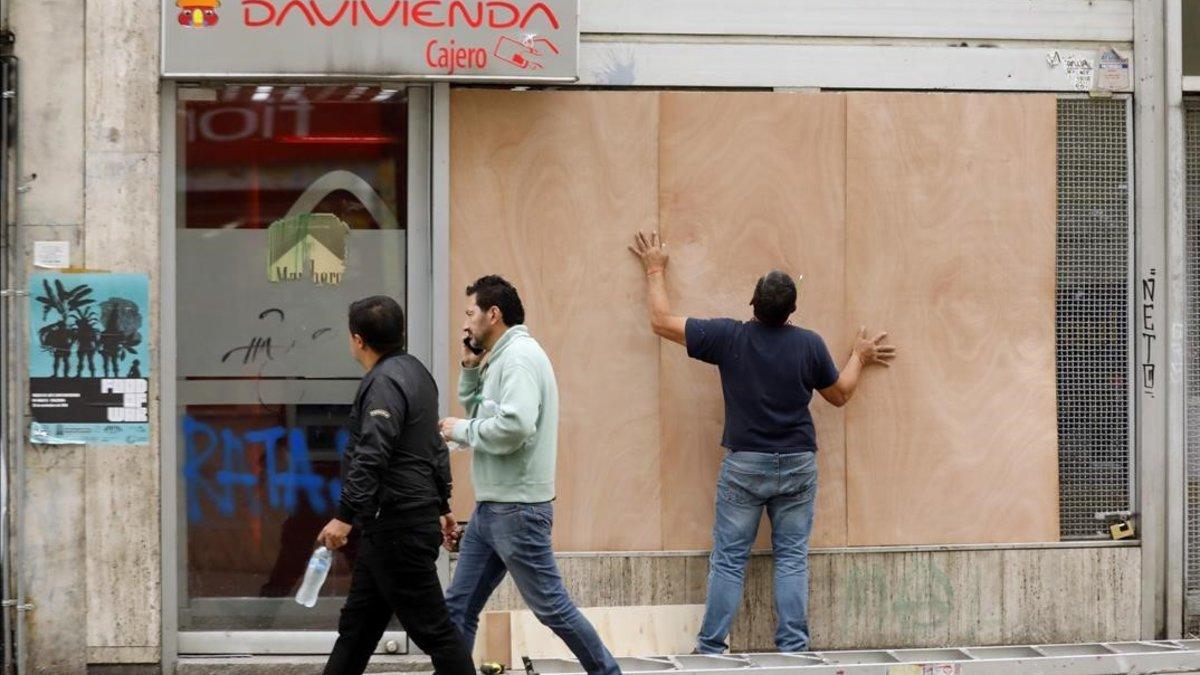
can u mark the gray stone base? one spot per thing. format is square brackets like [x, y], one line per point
[288, 665]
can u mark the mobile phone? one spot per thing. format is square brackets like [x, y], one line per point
[471, 345]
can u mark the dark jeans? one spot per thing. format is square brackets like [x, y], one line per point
[515, 538]
[396, 572]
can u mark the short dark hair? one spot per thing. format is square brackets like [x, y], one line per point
[379, 321]
[774, 298]
[495, 291]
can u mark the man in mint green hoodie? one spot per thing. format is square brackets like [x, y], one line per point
[507, 386]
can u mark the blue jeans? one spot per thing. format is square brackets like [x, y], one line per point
[787, 486]
[515, 538]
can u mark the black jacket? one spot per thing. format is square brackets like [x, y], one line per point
[396, 470]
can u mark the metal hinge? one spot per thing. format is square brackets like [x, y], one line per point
[13, 292]
[20, 608]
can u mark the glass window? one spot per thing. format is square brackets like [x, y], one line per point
[291, 205]
[1191, 37]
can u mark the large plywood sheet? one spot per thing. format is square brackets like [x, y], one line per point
[950, 246]
[749, 182]
[546, 188]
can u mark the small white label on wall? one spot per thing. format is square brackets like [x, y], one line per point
[1112, 73]
[1080, 72]
[52, 254]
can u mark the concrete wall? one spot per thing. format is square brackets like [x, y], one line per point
[89, 130]
[893, 599]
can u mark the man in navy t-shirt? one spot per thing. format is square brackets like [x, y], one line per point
[769, 370]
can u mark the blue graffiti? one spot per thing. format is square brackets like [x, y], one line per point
[287, 474]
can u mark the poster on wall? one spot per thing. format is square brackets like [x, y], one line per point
[89, 365]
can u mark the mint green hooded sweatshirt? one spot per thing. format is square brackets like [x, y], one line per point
[513, 403]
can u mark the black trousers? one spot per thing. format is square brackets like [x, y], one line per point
[396, 573]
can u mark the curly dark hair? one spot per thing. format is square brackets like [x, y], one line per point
[495, 291]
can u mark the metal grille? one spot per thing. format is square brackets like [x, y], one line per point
[1092, 313]
[1192, 376]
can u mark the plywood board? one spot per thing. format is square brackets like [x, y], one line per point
[749, 182]
[546, 188]
[462, 496]
[495, 639]
[950, 246]
[626, 631]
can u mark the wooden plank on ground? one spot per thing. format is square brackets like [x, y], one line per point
[626, 631]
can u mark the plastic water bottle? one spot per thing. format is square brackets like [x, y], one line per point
[488, 408]
[314, 577]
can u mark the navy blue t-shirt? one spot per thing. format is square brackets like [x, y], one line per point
[768, 374]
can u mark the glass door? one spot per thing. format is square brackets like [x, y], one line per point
[292, 201]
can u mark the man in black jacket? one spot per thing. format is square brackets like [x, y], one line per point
[396, 484]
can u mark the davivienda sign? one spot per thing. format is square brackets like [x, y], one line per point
[500, 40]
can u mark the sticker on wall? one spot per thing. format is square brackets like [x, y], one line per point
[1079, 72]
[309, 241]
[1112, 72]
[1077, 67]
[89, 365]
[54, 255]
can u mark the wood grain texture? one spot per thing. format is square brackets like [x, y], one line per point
[626, 631]
[462, 497]
[546, 188]
[950, 246]
[932, 216]
[495, 639]
[749, 182]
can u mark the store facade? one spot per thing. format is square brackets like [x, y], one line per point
[300, 155]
